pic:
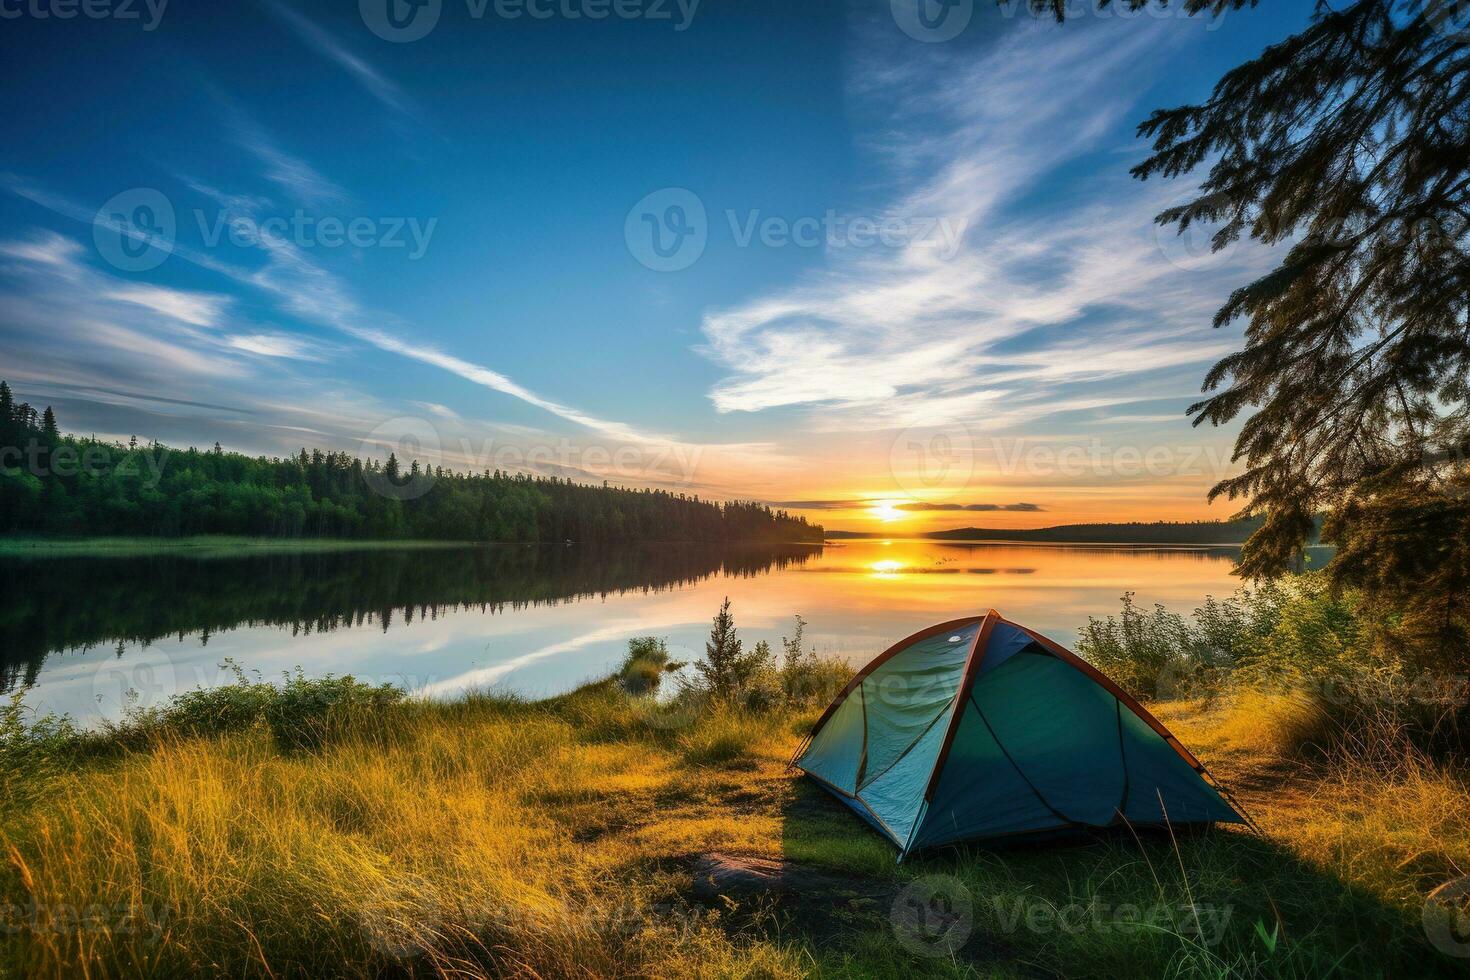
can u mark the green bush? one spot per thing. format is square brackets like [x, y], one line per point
[1295, 637]
[200, 712]
[306, 714]
[32, 750]
[754, 681]
[647, 661]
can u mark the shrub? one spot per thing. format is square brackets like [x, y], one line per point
[1297, 650]
[647, 661]
[32, 750]
[204, 711]
[306, 714]
[1141, 651]
[301, 712]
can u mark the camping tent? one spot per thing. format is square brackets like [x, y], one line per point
[979, 728]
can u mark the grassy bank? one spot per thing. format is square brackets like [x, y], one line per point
[260, 834]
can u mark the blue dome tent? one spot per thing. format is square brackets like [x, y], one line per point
[979, 728]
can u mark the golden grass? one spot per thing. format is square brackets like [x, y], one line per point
[1395, 830]
[552, 840]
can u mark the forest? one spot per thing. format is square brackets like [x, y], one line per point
[55, 483]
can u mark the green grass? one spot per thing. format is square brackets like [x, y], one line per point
[492, 836]
[197, 546]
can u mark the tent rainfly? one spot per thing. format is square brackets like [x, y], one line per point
[980, 728]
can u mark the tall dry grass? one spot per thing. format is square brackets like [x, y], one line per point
[459, 843]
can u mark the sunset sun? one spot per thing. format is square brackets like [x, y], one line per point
[886, 510]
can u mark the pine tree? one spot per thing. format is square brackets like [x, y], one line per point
[9, 431]
[722, 655]
[48, 426]
[1347, 144]
[794, 655]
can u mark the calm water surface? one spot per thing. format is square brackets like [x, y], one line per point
[77, 633]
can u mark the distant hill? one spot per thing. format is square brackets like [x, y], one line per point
[1136, 532]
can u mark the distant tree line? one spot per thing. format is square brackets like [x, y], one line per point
[1134, 532]
[65, 484]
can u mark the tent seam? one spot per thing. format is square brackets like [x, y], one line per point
[1123, 757]
[967, 683]
[902, 755]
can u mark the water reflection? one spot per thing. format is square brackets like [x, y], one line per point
[68, 604]
[79, 634]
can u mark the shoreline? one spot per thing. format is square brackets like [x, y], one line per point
[226, 545]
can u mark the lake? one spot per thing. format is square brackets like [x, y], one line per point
[78, 633]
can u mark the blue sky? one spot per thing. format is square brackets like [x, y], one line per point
[921, 274]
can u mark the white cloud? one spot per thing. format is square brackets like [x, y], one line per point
[274, 345]
[434, 408]
[200, 309]
[46, 248]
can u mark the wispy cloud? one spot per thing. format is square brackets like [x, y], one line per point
[923, 506]
[442, 411]
[918, 506]
[324, 44]
[200, 309]
[481, 375]
[46, 248]
[309, 291]
[1039, 308]
[299, 179]
[274, 345]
